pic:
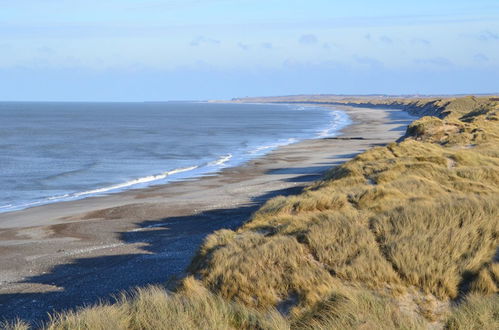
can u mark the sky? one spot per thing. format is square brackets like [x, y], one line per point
[158, 50]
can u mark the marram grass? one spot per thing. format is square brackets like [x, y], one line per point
[400, 237]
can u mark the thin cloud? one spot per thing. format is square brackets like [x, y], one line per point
[488, 35]
[386, 40]
[480, 58]
[308, 39]
[243, 46]
[437, 61]
[45, 50]
[365, 60]
[201, 40]
[267, 45]
[420, 41]
[383, 39]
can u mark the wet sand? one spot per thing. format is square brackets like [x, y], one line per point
[68, 254]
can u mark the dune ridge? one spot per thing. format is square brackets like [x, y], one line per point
[403, 236]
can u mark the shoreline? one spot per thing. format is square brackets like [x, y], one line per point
[67, 254]
[195, 169]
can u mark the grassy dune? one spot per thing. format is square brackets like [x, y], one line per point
[401, 237]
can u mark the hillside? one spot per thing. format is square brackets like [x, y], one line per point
[403, 236]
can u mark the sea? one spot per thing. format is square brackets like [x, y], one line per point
[52, 152]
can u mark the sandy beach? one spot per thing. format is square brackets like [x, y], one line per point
[68, 254]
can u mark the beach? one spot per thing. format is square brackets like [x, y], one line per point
[63, 255]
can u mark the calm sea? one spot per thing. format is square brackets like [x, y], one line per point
[53, 152]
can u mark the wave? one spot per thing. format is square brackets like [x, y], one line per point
[218, 163]
[266, 148]
[98, 191]
[221, 161]
[69, 173]
[6, 206]
[146, 179]
[339, 121]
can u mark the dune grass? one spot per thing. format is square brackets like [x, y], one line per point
[456, 236]
[192, 307]
[417, 218]
[14, 325]
[476, 313]
[357, 309]
[401, 237]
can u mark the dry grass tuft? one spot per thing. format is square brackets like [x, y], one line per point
[193, 307]
[264, 271]
[358, 309]
[348, 249]
[433, 244]
[476, 313]
[487, 280]
[14, 325]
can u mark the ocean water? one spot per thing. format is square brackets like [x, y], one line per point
[53, 152]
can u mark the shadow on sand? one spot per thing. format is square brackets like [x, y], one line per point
[167, 245]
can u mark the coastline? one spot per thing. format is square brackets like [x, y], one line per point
[236, 150]
[67, 254]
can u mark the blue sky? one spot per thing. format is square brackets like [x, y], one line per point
[124, 50]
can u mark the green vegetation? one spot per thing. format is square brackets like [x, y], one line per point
[400, 237]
